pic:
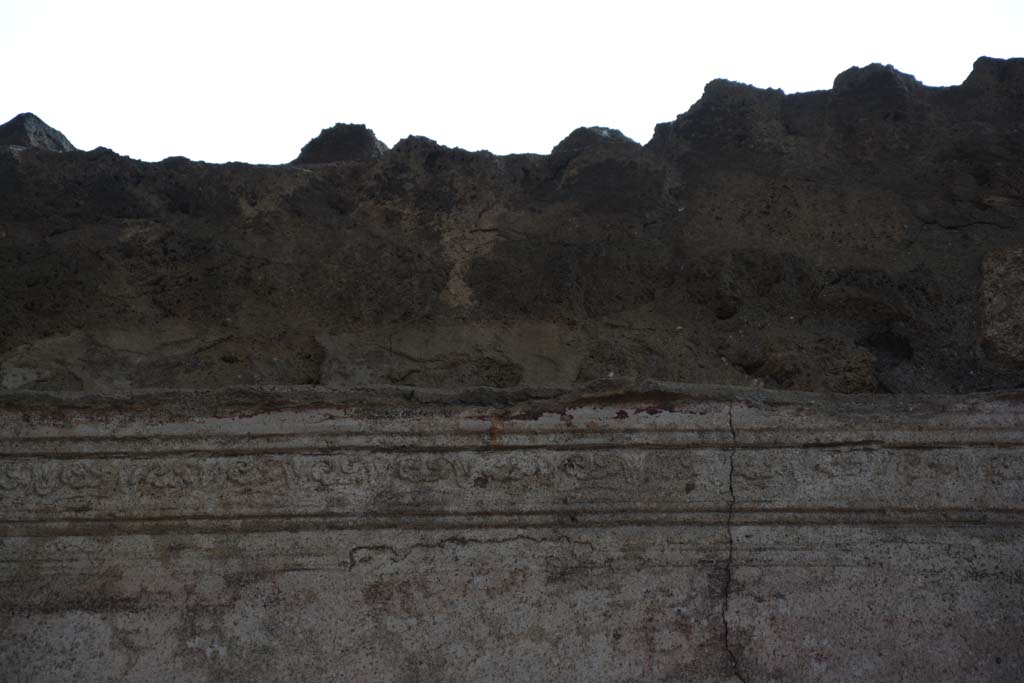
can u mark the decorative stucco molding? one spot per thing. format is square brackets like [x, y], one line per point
[726, 526]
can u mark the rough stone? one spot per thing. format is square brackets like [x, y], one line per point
[825, 241]
[28, 130]
[1002, 306]
[342, 142]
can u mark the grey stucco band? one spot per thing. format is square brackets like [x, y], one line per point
[661, 533]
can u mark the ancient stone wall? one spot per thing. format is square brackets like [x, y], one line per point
[421, 413]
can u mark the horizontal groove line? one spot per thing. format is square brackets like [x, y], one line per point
[291, 526]
[566, 512]
[327, 450]
[458, 433]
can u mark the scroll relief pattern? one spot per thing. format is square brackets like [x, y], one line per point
[355, 480]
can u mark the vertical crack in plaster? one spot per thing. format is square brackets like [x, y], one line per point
[727, 590]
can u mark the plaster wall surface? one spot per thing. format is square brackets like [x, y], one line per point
[653, 533]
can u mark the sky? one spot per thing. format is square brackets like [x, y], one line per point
[253, 81]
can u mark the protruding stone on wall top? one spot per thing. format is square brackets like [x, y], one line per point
[342, 142]
[28, 130]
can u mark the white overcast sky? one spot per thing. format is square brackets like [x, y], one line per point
[254, 81]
